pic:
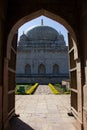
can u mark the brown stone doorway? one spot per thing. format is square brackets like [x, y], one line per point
[10, 62]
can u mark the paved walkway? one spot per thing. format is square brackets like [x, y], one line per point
[43, 90]
[43, 112]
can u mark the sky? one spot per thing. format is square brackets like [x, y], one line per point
[46, 21]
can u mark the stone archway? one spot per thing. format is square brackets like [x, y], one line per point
[10, 60]
[55, 69]
[27, 69]
[41, 69]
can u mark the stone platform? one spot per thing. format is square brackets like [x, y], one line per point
[43, 90]
[43, 112]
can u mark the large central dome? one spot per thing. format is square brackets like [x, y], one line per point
[42, 33]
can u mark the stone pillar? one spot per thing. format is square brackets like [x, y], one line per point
[9, 85]
[79, 96]
[2, 48]
[0, 74]
[5, 96]
[83, 40]
[11, 77]
[2, 19]
[85, 101]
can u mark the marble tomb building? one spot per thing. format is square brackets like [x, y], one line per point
[42, 56]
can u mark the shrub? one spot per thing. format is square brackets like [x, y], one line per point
[67, 92]
[32, 89]
[53, 89]
[57, 85]
[21, 89]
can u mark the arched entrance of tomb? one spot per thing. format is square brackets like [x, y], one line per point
[10, 68]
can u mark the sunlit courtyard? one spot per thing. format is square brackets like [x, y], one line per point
[43, 112]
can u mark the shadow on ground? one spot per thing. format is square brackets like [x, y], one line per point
[17, 124]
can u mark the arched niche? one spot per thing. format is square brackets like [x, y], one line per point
[27, 69]
[41, 69]
[55, 69]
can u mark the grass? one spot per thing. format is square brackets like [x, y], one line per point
[25, 89]
[22, 88]
[54, 91]
[61, 89]
[32, 89]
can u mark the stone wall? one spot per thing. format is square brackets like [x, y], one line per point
[41, 79]
[47, 57]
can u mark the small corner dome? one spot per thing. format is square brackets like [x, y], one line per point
[42, 33]
[23, 37]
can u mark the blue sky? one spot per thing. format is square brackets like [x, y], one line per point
[46, 21]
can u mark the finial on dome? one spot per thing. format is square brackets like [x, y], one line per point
[41, 22]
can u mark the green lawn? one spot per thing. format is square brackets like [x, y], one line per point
[22, 88]
[61, 89]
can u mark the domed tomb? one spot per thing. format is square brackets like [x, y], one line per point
[42, 56]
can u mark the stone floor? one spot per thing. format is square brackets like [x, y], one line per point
[43, 112]
[43, 90]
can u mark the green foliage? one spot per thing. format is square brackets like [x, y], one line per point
[58, 85]
[53, 89]
[32, 89]
[21, 89]
[62, 89]
[67, 92]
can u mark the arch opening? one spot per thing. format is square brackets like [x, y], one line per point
[41, 69]
[27, 69]
[55, 69]
[73, 52]
[35, 15]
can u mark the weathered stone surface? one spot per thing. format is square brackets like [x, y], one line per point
[43, 112]
[43, 90]
[42, 56]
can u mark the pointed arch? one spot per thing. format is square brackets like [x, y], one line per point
[41, 69]
[36, 14]
[72, 51]
[27, 69]
[55, 69]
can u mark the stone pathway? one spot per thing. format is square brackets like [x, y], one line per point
[43, 112]
[43, 90]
